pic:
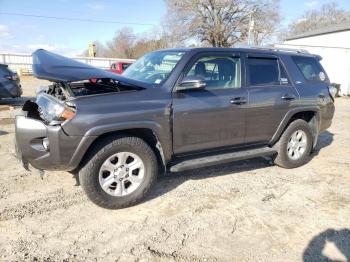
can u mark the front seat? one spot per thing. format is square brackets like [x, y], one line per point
[199, 70]
[227, 73]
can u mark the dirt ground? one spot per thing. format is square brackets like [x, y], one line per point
[244, 211]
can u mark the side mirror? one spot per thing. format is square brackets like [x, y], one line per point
[191, 82]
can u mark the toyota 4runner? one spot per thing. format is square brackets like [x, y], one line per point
[174, 110]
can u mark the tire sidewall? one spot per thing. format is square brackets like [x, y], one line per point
[282, 152]
[92, 174]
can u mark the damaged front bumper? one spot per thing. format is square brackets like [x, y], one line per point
[48, 147]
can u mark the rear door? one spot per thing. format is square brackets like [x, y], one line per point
[271, 96]
[212, 117]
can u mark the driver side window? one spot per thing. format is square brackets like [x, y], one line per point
[217, 71]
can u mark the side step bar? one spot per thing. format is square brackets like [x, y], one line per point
[222, 158]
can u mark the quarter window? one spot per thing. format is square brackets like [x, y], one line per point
[218, 71]
[310, 68]
[266, 71]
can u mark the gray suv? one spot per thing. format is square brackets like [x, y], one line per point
[175, 110]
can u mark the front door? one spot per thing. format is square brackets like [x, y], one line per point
[212, 117]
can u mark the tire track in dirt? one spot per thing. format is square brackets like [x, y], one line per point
[55, 200]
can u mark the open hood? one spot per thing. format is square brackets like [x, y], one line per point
[57, 68]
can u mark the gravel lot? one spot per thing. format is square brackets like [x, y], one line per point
[244, 211]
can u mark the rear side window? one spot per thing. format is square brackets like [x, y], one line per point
[266, 71]
[310, 68]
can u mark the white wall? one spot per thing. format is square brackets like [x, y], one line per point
[335, 51]
[24, 61]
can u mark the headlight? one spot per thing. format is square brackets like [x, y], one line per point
[51, 109]
[60, 112]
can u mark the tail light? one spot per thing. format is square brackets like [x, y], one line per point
[332, 91]
[13, 77]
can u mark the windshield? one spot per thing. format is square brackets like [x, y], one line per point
[153, 67]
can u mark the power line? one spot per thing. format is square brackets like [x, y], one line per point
[76, 19]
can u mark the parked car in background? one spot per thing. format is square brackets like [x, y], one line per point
[119, 67]
[10, 86]
[174, 109]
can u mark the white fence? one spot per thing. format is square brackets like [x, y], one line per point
[24, 62]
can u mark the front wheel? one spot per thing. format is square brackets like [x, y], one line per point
[295, 145]
[120, 172]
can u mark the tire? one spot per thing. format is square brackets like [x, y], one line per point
[287, 145]
[110, 155]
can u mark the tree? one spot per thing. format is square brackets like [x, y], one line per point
[144, 45]
[266, 19]
[328, 14]
[221, 23]
[122, 44]
[126, 44]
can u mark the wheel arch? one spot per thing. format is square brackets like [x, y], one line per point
[147, 134]
[311, 115]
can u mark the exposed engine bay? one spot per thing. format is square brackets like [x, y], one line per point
[64, 90]
[54, 103]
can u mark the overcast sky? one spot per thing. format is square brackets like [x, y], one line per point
[24, 34]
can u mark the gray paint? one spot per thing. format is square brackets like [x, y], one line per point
[185, 122]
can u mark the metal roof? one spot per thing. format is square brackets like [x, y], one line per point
[247, 49]
[322, 31]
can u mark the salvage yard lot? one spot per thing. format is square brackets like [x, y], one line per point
[244, 211]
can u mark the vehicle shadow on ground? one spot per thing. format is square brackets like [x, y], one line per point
[324, 140]
[19, 101]
[316, 248]
[2, 133]
[173, 180]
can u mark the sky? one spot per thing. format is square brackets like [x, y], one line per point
[24, 34]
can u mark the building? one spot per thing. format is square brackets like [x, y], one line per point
[333, 44]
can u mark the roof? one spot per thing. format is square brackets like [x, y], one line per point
[322, 31]
[249, 49]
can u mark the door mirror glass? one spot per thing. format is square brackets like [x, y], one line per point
[191, 82]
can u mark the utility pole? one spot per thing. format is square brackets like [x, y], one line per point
[251, 25]
[92, 50]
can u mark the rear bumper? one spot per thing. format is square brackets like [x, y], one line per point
[63, 152]
[327, 116]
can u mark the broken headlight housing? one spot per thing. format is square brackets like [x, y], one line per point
[51, 109]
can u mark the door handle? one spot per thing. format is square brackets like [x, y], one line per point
[321, 96]
[238, 100]
[288, 97]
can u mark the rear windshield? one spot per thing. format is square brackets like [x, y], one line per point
[125, 66]
[4, 71]
[310, 68]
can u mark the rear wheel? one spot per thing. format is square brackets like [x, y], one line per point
[119, 173]
[295, 145]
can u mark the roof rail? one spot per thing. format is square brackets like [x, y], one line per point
[281, 49]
